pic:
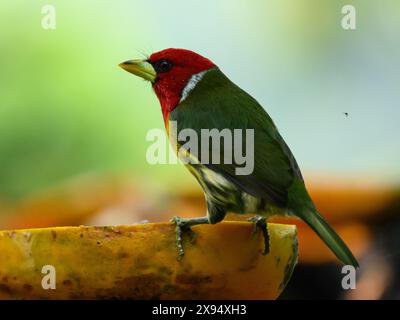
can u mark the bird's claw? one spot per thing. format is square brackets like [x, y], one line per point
[180, 227]
[260, 223]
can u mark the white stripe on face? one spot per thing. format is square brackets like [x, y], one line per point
[193, 81]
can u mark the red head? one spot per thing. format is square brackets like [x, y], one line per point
[172, 69]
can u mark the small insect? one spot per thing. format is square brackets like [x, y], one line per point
[346, 114]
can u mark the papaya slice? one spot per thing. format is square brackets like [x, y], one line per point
[222, 261]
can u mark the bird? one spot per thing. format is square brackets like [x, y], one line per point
[346, 114]
[195, 94]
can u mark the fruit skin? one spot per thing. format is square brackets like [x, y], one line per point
[274, 187]
[139, 262]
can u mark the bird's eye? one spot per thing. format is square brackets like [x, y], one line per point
[162, 65]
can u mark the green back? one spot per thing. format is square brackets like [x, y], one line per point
[218, 103]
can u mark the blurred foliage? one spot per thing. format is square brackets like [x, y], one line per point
[64, 106]
[66, 109]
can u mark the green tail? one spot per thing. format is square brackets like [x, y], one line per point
[328, 235]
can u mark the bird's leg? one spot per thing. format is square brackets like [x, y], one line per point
[215, 214]
[260, 223]
[183, 225]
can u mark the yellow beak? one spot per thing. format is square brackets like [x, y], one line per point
[140, 68]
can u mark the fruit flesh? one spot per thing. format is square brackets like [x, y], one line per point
[222, 261]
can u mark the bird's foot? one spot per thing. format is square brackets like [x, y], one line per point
[181, 225]
[260, 223]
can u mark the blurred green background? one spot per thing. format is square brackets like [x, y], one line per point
[66, 109]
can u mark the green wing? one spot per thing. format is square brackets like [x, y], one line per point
[218, 103]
